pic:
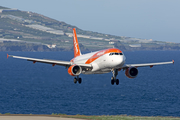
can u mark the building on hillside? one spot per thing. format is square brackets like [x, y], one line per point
[51, 46]
[46, 29]
[135, 45]
[111, 43]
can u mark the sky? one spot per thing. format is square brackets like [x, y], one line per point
[147, 19]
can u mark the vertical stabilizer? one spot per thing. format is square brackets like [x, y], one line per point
[77, 51]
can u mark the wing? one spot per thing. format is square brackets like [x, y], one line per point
[147, 64]
[53, 62]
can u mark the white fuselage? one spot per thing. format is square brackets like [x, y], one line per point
[102, 64]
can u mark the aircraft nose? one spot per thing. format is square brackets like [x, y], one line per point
[121, 60]
[116, 61]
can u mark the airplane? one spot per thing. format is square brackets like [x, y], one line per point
[99, 62]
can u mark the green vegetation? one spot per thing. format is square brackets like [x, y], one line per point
[121, 117]
[16, 13]
[7, 113]
[57, 114]
[1, 7]
[116, 117]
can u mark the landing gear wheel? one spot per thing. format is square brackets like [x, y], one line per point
[112, 81]
[113, 78]
[75, 80]
[117, 81]
[80, 80]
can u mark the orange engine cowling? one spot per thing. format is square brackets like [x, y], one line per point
[131, 72]
[74, 70]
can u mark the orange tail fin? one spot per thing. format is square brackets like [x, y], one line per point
[77, 51]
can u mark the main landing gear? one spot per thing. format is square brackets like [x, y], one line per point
[77, 80]
[113, 78]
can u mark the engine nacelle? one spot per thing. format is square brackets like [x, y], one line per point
[131, 72]
[74, 70]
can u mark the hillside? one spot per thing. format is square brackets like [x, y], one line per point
[28, 31]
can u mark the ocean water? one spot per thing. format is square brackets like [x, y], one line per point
[27, 88]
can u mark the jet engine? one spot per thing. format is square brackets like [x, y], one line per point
[74, 70]
[131, 72]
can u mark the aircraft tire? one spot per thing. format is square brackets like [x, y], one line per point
[75, 80]
[80, 80]
[112, 81]
[117, 81]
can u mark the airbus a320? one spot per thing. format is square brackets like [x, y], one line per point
[99, 62]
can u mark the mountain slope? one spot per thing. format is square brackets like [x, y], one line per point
[32, 29]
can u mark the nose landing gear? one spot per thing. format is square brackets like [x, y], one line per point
[113, 78]
[77, 80]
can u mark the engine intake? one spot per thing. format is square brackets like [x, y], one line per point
[74, 70]
[131, 72]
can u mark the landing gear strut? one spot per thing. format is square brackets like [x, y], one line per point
[113, 78]
[77, 80]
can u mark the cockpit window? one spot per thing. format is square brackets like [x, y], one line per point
[115, 54]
